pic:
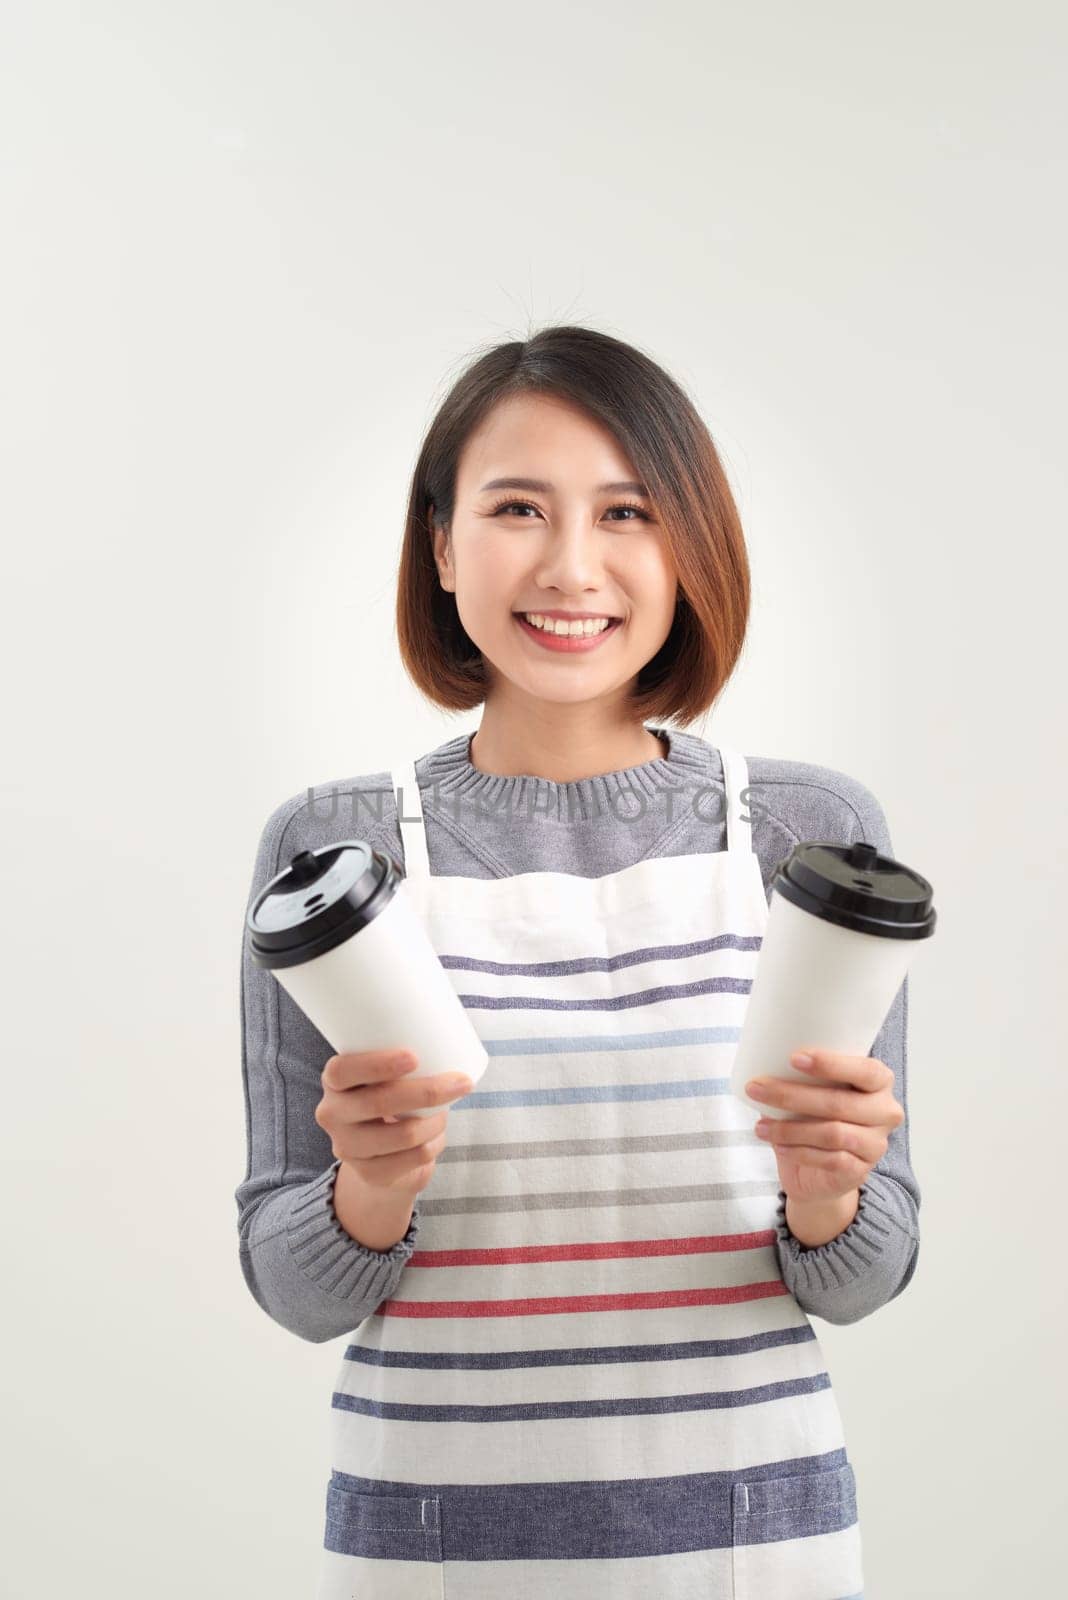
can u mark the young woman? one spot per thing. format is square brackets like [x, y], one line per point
[580, 1359]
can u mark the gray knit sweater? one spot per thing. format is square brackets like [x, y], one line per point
[301, 1266]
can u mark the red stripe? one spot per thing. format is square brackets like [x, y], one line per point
[555, 1304]
[611, 1250]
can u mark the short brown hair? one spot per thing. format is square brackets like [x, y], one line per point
[674, 455]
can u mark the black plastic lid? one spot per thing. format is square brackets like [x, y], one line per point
[321, 899]
[856, 887]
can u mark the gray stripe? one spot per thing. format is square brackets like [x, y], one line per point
[584, 1199]
[638, 1144]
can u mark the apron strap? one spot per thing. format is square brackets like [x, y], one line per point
[736, 778]
[410, 820]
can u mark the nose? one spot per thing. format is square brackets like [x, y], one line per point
[571, 560]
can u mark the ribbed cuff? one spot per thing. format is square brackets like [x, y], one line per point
[846, 1257]
[331, 1258]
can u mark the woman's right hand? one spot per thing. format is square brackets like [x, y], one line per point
[366, 1109]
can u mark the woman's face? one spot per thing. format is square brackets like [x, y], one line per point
[568, 544]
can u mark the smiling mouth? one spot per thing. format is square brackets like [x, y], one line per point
[577, 643]
[569, 618]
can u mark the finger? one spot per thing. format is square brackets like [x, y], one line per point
[842, 1162]
[867, 1143]
[863, 1072]
[409, 1095]
[362, 1103]
[355, 1067]
[344, 1108]
[397, 1166]
[809, 1100]
[366, 1141]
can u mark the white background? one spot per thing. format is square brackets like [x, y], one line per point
[247, 248]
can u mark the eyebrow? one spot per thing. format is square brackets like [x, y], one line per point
[541, 486]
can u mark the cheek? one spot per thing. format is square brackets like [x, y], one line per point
[484, 598]
[653, 586]
[651, 571]
[481, 575]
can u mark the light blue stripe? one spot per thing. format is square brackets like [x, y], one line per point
[590, 1093]
[560, 1044]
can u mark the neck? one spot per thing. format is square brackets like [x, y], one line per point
[561, 743]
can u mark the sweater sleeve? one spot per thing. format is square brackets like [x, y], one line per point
[874, 1258]
[301, 1266]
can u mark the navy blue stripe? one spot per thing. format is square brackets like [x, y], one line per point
[612, 1002]
[557, 1410]
[587, 1520]
[577, 1355]
[627, 958]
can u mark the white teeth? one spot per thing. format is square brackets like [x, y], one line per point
[559, 625]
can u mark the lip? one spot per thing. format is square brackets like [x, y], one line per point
[567, 644]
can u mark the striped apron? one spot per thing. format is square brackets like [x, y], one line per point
[593, 1380]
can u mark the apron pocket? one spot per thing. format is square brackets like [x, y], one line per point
[797, 1537]
[382, 1547]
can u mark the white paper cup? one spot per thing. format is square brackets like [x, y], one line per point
[339, 932]
[843, 926]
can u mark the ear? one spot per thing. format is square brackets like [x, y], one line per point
[442, 552]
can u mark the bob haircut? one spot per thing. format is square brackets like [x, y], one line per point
[675, 457]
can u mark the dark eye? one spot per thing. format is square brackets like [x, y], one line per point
[509, 505]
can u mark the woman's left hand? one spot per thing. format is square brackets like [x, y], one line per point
[841, 1130]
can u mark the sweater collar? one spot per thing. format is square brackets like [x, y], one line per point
[689, 762]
